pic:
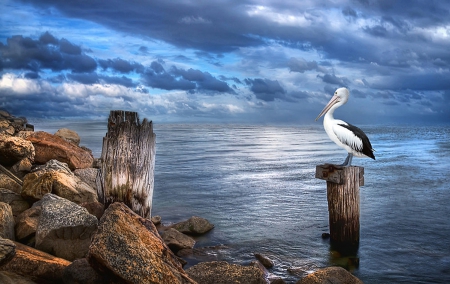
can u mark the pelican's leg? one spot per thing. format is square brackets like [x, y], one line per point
[348, 160]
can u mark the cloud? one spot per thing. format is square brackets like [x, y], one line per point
[45, 53]
[301, 65]
[121, 65]
[335, 80]
[266, 89]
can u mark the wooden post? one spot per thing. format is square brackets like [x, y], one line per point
[343, 201]
[128, 162]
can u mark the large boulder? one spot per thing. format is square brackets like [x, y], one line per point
[64, 228]
[55, 177]
[68, 135]
[15, 200]
[176, 240]
[88, 175]
[128, 247]
[337, 275]
[7, 250]
[48, 147]
[194, 226]
[221, 272]
[14, 149]
[6, 221]
[45, 268]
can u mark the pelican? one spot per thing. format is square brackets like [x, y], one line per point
[345, 135]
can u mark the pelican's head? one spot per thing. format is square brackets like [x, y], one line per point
[339, 98]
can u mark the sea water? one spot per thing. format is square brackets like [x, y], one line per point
[256, 185]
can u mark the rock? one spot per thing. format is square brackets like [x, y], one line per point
[221, 272]
[6, 221]
[37, 264]
[194, 226]
[176, 240]
[21, 168]
[14, 149]
[264, 260]
[156, 220]
[68, 135]
[277, 281]
[330, 275]
[15, 200]
[55, 177]
[95, 208]
[27, 223]
[88, 175]
[7, 277]
[7, 251]
[79, 271]
[129, 247]
[64, 228]
[8, 183]
[48, 147]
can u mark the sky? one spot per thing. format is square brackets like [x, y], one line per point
[214, 61]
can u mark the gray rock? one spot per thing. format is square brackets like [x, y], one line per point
[327, 275]
[88, 175]
[156, 220]
[194, 226]
[221, 272]
[6, 221]
[176, 240]
[7, 251]
[65, 228]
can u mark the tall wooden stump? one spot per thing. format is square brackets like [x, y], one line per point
[128, 162]
[343, 202]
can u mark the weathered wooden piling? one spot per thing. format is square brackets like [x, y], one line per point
[343, 201]
[127, 163]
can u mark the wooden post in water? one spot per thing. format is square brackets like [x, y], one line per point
[128, 162]
[343, 201]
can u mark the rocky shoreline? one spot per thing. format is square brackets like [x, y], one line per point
[53, 229]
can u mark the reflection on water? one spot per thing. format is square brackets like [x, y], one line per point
[257, 185]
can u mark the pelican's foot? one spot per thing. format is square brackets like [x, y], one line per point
[348, 161]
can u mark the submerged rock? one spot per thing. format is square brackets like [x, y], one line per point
[177, 240]
[330, 275]
[194, 226]
[221, 272]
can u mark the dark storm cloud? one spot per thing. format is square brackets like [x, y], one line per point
[301, 65]
[335, 80]
[121, 65]
[45, 53]
[266, 89]
[94, 78]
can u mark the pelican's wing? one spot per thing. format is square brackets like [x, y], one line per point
[353, 137]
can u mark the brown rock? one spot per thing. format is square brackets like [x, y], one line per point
[21, 168]
[26, 223]
[48, 147]
[15, 200]
[6, 221]
[7, 277]
[8, 183]
[14, 149]
[194, 226]
[7, 251]
[176, 240]
[129, 247]
[56, 178]
[330, 275]
[34, 263]
[95, 208]
[264, 260]
[68, 135]
[79, 271]
[221, 272]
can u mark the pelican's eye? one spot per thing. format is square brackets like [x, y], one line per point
[335, 93]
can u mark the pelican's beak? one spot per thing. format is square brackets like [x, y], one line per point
[331, 103]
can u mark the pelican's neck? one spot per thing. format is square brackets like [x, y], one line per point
[329, 115]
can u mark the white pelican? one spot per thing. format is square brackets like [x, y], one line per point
[345, 135]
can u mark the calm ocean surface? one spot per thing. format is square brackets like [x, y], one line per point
[257, 185]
